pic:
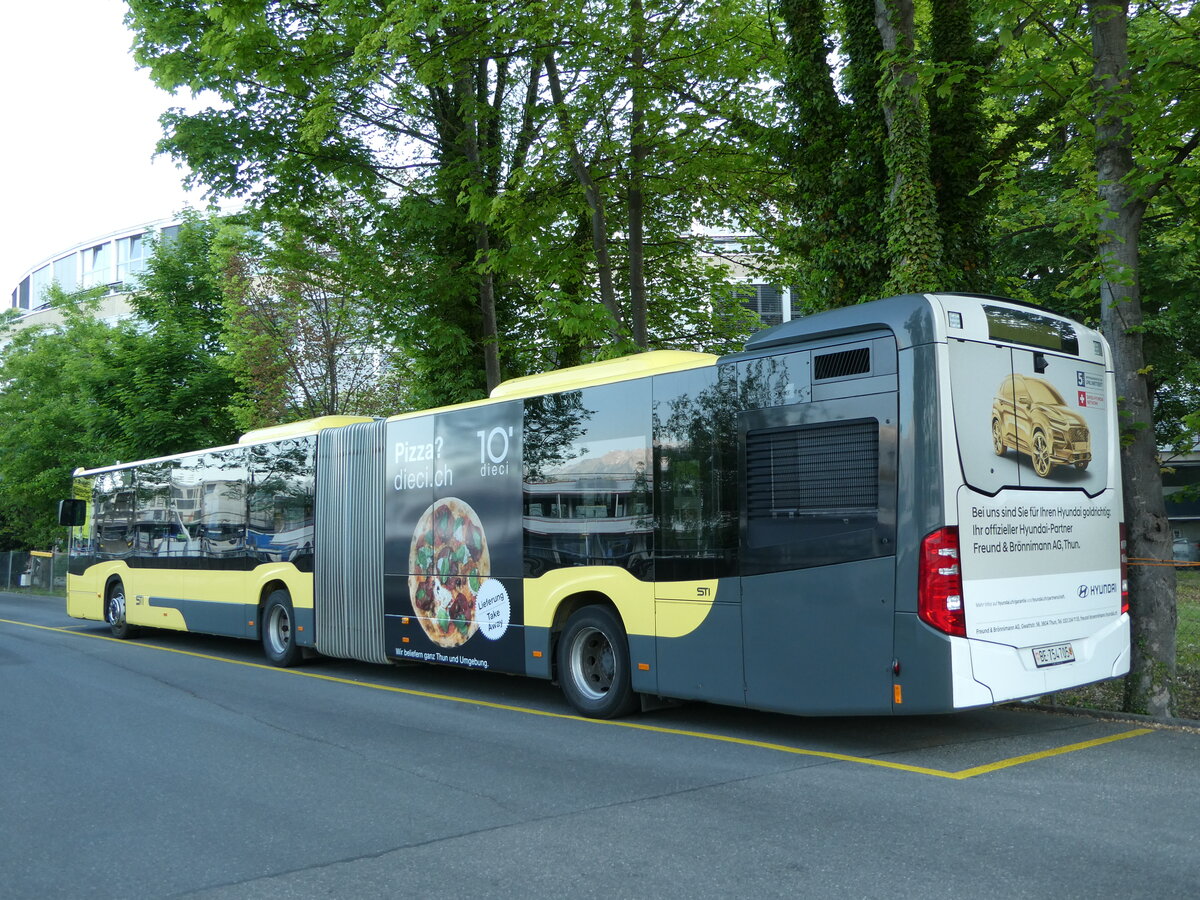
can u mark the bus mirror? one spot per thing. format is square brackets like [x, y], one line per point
[72, 512]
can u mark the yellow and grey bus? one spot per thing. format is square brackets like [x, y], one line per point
[908, 506]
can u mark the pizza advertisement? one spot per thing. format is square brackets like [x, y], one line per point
[453, 545]
[449, 563]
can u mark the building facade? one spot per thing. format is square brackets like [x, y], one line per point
[113, 261]
[740, 256]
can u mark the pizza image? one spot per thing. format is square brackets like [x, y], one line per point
[448, 562]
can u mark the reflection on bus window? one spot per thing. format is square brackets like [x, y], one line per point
[587, 490]
[695, 475]
[281, 502]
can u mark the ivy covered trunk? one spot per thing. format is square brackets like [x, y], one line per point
[1151, 587]
[914, 241]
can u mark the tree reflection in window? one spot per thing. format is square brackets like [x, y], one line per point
[588, 492]
[281, 501]
[114, 510]
[223, 504]
[695, 476]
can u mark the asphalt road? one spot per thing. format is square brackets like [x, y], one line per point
[180, 765]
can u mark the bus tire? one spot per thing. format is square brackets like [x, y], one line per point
[115, 611]
[593, 664]
[279, 630]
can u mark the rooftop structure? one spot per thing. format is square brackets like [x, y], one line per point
[114, 261]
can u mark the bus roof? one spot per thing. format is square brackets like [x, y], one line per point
[623, 368]
[913, 319]
[258, 436]
[909, 316]
[573, 378]
[607, 371]
[295, 429]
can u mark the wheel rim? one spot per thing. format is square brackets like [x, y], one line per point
[279, 630]
[997, 437]
[116, 606]
[593, 663]
[1041, 453]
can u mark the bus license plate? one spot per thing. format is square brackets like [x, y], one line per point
[1053, 656]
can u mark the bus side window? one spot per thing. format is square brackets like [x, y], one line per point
[223, 505]
[154, 510]
[281, 501]
[695, 487]
[114, 514]
[586, 459]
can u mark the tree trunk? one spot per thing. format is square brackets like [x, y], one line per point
[913, 239]
[1149, 686]
[483, 247]
[595, 203]
[638, 152]
[958, 147]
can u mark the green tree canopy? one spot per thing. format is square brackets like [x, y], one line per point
[86, 393]
[494, 201]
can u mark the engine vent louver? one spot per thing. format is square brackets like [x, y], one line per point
[842, 364]
[819, 470]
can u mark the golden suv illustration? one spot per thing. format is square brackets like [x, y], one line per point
[1031, 417]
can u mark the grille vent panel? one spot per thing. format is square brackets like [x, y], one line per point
[842, 364]
[831, 469]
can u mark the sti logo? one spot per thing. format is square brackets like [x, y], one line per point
[1083, 401]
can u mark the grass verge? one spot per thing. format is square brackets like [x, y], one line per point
[1110, 695]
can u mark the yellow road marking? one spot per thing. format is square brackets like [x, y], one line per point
[640, 726]
[1057, 751]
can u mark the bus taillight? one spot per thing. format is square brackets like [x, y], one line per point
[1124, 571]
[939, 587]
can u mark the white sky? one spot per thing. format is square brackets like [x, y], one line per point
[79, 123]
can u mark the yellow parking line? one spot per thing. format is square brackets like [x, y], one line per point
[659, 729]
[1044, 754]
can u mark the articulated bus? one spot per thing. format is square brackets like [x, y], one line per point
[908, 506]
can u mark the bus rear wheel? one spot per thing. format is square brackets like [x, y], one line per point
[593, 664]
[114, 611]
[279, 630]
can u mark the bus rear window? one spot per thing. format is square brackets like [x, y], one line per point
[1018, 326]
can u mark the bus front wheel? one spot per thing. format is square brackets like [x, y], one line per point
[114, 611]
[593, 664]
[279, 630]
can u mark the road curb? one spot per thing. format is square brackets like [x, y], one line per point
[1192, 725]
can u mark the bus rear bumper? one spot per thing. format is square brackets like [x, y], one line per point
[1013, 673]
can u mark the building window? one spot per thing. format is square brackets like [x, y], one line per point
[65, 273]
[40, 282]
[764, 299]
[97, 265]
[131, 258]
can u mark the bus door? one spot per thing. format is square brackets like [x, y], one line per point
[697, 594]
[818, 518]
